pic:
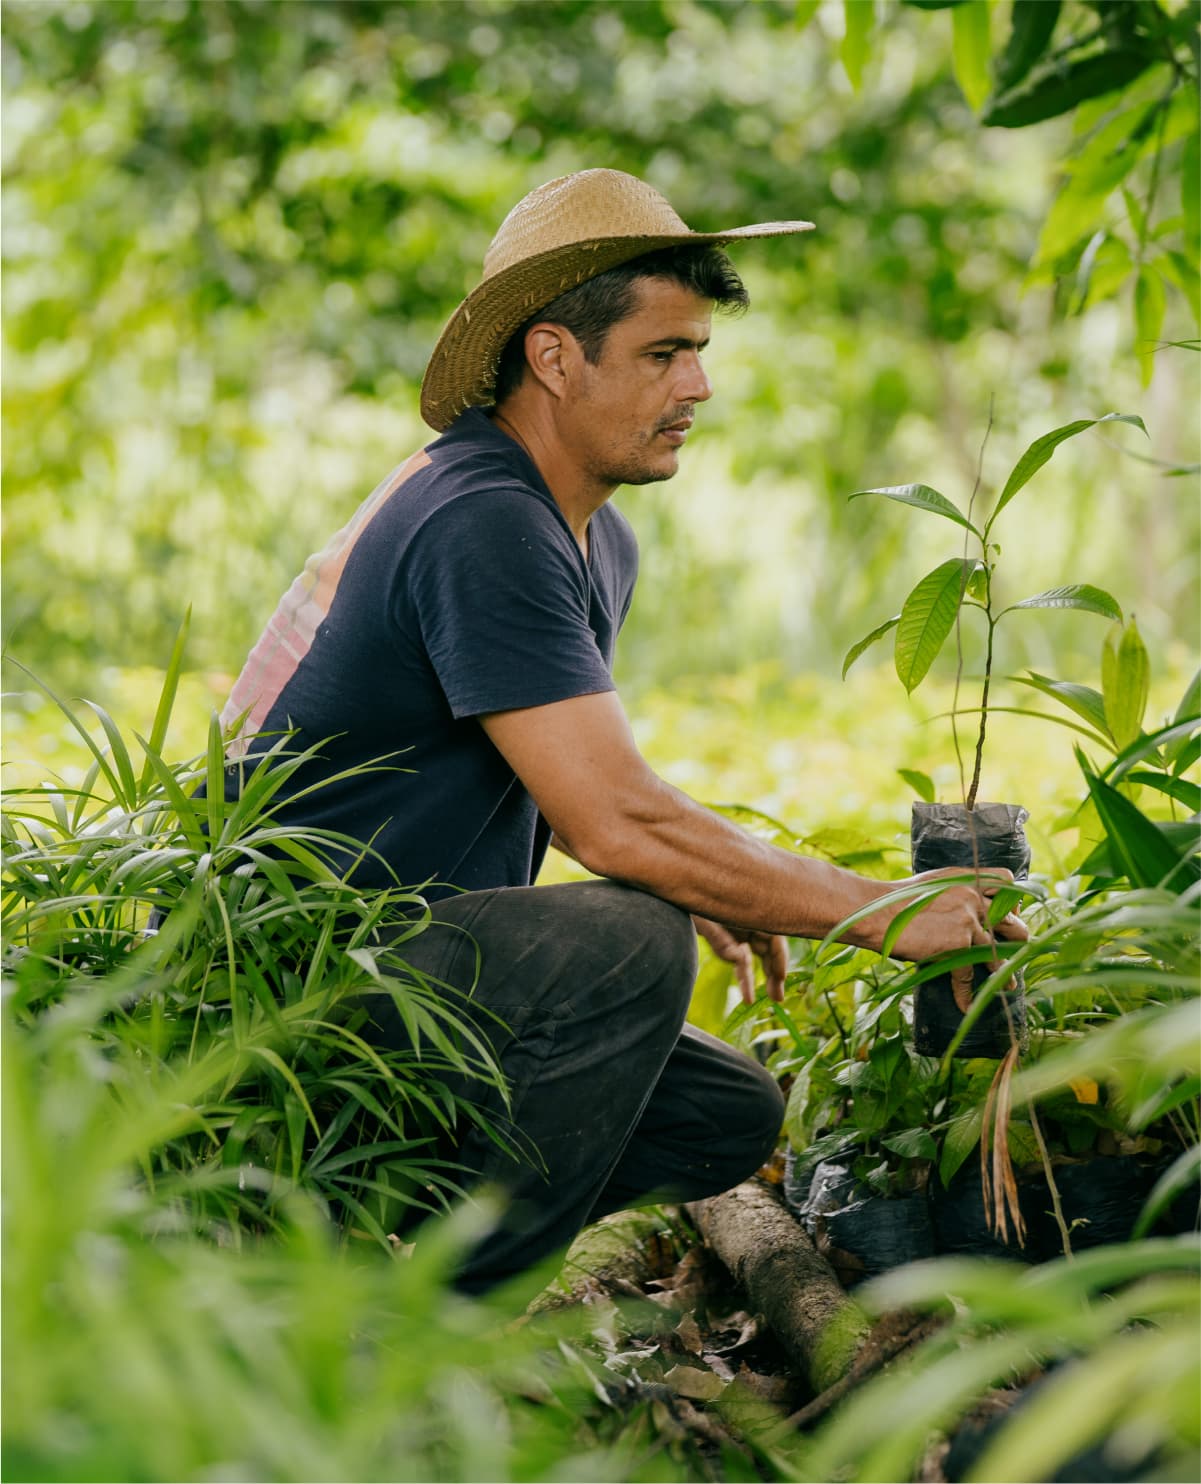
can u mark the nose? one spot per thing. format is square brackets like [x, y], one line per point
[694, 384]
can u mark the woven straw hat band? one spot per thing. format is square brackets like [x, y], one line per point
[561, 234]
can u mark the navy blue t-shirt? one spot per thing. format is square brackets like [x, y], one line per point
[456, 590]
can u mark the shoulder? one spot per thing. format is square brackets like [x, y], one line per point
[617, 530]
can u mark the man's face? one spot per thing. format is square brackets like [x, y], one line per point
[635, 405]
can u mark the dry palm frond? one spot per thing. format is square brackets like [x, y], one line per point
[998, 1181]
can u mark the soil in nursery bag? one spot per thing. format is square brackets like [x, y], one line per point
[1101, 1199]
[943, 835]
[859, 1232]
[961, 1225]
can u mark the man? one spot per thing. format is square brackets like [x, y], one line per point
[467, 615]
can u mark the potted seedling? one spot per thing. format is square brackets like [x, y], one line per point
[858, 1184]
[971, 834]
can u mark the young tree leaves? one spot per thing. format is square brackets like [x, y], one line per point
[1138, 847]
[927, 617]
[1031, 25]
[1190, 191]
[1098, 169]
[1041, 450]
[1081, 699]
[1104, 267]
[856, 650]
[1149, 306]
[1125, 681]
[970, 48]
[1057, 89]
[859, 17]
[1076, 595]
[923, 498]
[921, 783]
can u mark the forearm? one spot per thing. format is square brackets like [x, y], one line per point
[662, 841]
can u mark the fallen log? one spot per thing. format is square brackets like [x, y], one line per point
[616, 1255]
[786, 1279]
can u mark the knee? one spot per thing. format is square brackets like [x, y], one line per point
[765, 1118]
[752, 1124]
[663, 940]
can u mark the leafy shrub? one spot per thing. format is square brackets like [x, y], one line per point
[248, 997]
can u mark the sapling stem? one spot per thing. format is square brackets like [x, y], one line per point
[987, 605]
[980, 735]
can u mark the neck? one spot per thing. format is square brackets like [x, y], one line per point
[576, 495]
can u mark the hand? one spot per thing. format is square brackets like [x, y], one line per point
[739, 946]
[956, 918]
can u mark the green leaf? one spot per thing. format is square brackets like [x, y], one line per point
[922, 497]
[166, 699]
[1082, 699]
[921, 783]
[1042, 448]
[1056, 89]
[804, 13]
[1190, 191]
[1104, 267]
[1180, 269]
[962, 1136]
[1136, 215]
[1188, 710]
[859, 18]
[1184, 1171]
[912, 1143]
[1149, 306]
[1092, 176]
[1180, 789]
[856, 650]
[1187, 756]
[1125, 681]
[1031, 25]
[927, 617]
[970, 51]
[1077, 595]
[1138, 847]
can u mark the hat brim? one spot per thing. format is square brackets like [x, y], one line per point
[462, 370]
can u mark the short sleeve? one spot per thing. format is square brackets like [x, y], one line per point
[500, 596]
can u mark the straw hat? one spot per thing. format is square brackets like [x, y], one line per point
[564, 232]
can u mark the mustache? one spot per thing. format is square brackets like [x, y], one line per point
[683, 414]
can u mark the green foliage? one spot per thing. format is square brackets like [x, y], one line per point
[249, 1000]
[1117, 1324]
[135, 1350]
[230, 243]
[932, 610]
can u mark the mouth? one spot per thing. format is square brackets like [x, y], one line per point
[675, 433]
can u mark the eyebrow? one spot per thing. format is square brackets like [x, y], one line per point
[676, 342]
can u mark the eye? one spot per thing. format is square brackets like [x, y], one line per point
[664, 357]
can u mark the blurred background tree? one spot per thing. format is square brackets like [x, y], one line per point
[232, 232]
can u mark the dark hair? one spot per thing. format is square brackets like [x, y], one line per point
[592, 308]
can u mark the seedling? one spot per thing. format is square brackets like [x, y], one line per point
[932, 610]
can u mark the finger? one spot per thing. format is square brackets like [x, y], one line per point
[961, 988]
[745, 965]
[993, 880]
[1012, 927]
[776, 965]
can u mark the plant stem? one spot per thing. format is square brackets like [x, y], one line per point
[846, 1049]
[975, 785]
[1056, 1204]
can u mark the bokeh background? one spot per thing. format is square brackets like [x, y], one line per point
[233, 230]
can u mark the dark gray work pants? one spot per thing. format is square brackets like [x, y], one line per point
[623, 1101]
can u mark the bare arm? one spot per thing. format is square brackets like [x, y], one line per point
[609, 810]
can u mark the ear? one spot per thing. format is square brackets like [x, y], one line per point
[551, 352]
